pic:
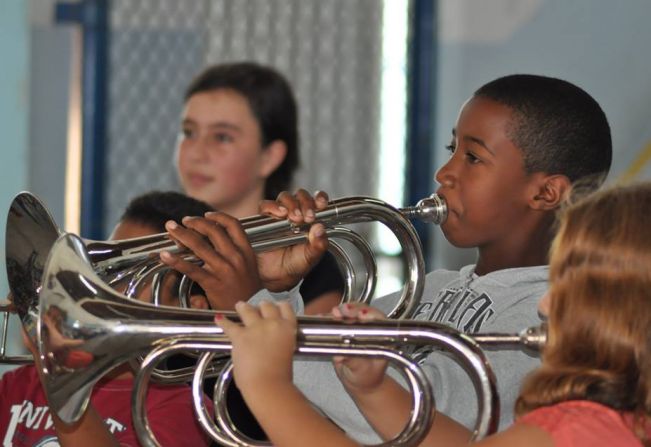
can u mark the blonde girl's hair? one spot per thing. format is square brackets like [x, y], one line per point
[599, 343]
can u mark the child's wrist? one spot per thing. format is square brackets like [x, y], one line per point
[260, 379]
[266, 387]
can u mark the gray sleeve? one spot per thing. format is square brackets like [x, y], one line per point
[318, 380]
[386, 303]
[434, 282]
[454, 392]
[293, 296]
[510, 366]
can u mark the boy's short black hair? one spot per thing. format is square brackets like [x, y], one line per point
[157, 207]
[559, 127]
[273, 104]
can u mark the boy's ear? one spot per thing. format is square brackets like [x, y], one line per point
[272, 157]
[549, 192]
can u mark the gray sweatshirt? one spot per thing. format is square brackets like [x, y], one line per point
[502, 301]
[293, 296]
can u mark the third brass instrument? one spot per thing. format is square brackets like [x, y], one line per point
[79, 314]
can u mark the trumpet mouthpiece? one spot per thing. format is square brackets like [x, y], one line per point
[432, 209]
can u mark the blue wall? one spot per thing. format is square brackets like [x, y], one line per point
[14, 110]
[600, 45]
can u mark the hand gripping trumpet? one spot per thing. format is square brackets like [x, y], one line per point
[31, 232]
[85, 328]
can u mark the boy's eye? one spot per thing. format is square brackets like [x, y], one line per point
[223, 138]
[450, 148]
[472, 158]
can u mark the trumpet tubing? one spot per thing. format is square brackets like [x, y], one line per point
[133, 257]
[31, 232]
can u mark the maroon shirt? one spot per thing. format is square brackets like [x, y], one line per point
[25, 418]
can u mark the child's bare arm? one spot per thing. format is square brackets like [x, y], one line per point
[295, 422]
[385, 404]
[263, 348]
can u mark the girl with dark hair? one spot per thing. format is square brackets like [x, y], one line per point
[239, 145]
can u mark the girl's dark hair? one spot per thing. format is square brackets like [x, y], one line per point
[272, 103]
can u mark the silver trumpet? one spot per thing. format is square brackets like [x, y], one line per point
[85, 328]
[31, 232]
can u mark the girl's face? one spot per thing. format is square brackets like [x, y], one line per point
[543, 305]
[220, 158]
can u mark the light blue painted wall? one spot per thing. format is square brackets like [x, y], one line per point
[14, 107]
[14, 111]
[601, 45]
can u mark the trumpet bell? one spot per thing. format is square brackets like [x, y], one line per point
[30, 233]
[85, 328]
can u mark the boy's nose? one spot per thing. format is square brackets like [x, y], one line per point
[444, 176]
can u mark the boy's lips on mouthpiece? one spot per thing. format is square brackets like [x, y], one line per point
[450, 210]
